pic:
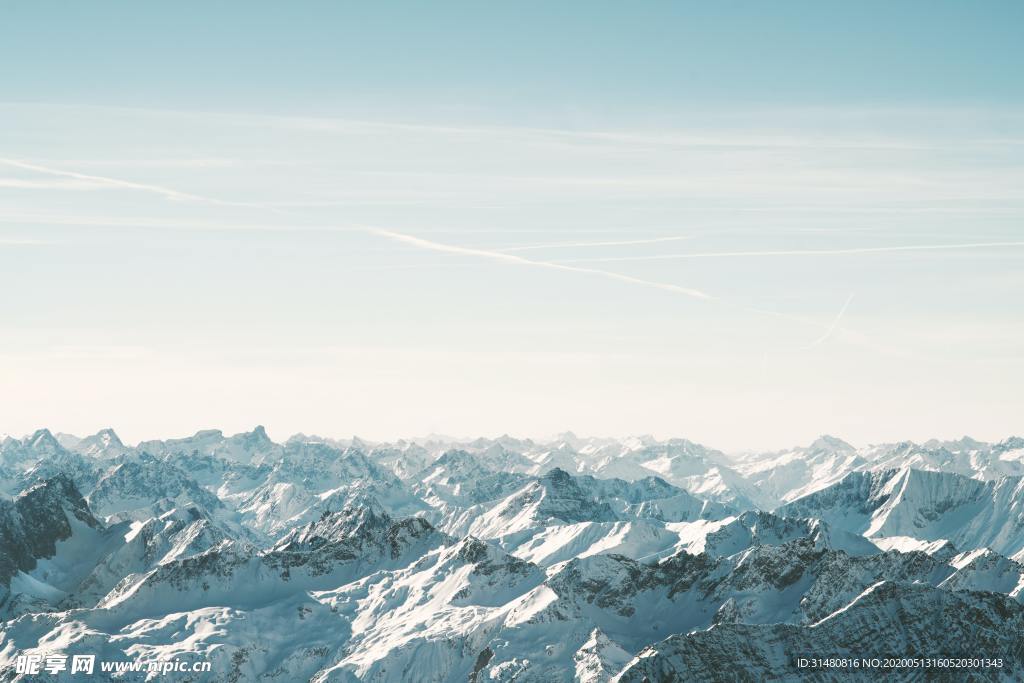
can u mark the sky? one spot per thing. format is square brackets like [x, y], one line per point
[742, 223]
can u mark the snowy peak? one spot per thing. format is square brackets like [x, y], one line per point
[986, 570]
[924, 505]
[750, 529]
[562, 498]
[39, 503]
[103, 444]
[489, 560]
[553, 499]
[24, 452]
[651, 498]
[598, 659]
[455, 465]
[404, 460]
[789, 474]
[33, 524]
[1013, 443]
[238, 574]
[830, 444]
[959, 624]
[366, 519]
[43, 443]
[255, 441]
[140, 483]
[459, 478]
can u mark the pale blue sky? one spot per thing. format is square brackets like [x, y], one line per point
[743, 223]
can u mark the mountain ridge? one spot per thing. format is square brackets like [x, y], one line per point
[581, 559]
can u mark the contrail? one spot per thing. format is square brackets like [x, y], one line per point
[429, 245]
[686, 291]
[831, 328]
[104, 180]
[797, 252]
[15, 242]
[167, 192]
[519, 260]
[620, 243]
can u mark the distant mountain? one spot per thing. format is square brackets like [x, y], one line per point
[103, 444]
[965, 457]
[790, 474]
[924, 505]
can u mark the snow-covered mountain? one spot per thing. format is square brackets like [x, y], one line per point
[791, 473]
[923, 505]
[916, 620]
[575, 559]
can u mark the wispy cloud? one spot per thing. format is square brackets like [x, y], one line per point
[194, 162]
[142, 222]
[618, 243]
[767, 127]
[48, 184]
[18, 242]
[797, 252]
[104, 181]
[119, 183]
[430, 245]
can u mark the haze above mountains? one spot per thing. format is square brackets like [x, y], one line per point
[504, 559]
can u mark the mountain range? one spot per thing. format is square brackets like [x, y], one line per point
[506, 559]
